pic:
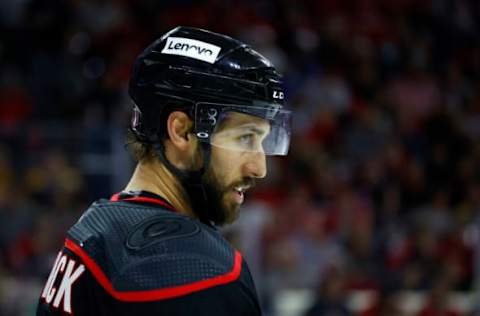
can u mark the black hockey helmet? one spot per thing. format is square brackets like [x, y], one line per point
[207, 75]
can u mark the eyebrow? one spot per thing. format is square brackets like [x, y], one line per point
[254, 128]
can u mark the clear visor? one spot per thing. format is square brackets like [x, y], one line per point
[242, 129]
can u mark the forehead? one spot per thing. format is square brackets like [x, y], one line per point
[235, 119]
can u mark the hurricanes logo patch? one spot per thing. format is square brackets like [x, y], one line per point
[159, 229]
[191, 48]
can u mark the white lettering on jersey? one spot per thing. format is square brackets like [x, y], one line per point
[65, 289]
[51, 277]
[50, 290]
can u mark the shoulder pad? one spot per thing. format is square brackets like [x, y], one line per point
[141, 253]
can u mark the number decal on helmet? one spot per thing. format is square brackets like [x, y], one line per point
[209, 116]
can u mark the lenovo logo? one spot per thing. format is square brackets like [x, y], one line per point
[191, 48]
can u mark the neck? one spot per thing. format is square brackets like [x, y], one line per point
[152, 175]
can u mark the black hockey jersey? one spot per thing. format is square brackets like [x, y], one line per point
[134, 255]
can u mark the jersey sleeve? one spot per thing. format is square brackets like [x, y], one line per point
[72, 288]
[69, 289]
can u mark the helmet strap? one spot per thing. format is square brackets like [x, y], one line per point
[191, 181]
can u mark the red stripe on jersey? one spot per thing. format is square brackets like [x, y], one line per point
[159, 294]
[116, 198]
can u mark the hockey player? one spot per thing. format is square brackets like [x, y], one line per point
[207, 109]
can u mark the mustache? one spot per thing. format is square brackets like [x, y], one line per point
[247, 181]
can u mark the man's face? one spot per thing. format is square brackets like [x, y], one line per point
[237, 159]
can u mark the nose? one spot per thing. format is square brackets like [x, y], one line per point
[256, 166]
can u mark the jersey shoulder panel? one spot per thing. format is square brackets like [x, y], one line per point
[141, 253]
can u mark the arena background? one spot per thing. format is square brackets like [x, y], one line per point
[374, 212]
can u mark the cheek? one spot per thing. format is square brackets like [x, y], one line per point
[226, 166]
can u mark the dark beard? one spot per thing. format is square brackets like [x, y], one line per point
[216, 210]
[204, 191]
[206, 194]
[219, 213]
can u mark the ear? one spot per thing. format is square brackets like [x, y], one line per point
[179, 125]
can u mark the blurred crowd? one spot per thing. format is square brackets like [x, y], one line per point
[380, 191]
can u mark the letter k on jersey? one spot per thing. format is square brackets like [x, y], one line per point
[64, 291]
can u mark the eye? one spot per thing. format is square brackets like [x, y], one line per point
[246, 139]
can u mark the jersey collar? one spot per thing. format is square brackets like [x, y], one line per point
[144, 197]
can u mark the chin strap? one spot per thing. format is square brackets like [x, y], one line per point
[192, 181]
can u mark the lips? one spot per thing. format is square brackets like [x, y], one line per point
[239, 196]
[240, 188]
